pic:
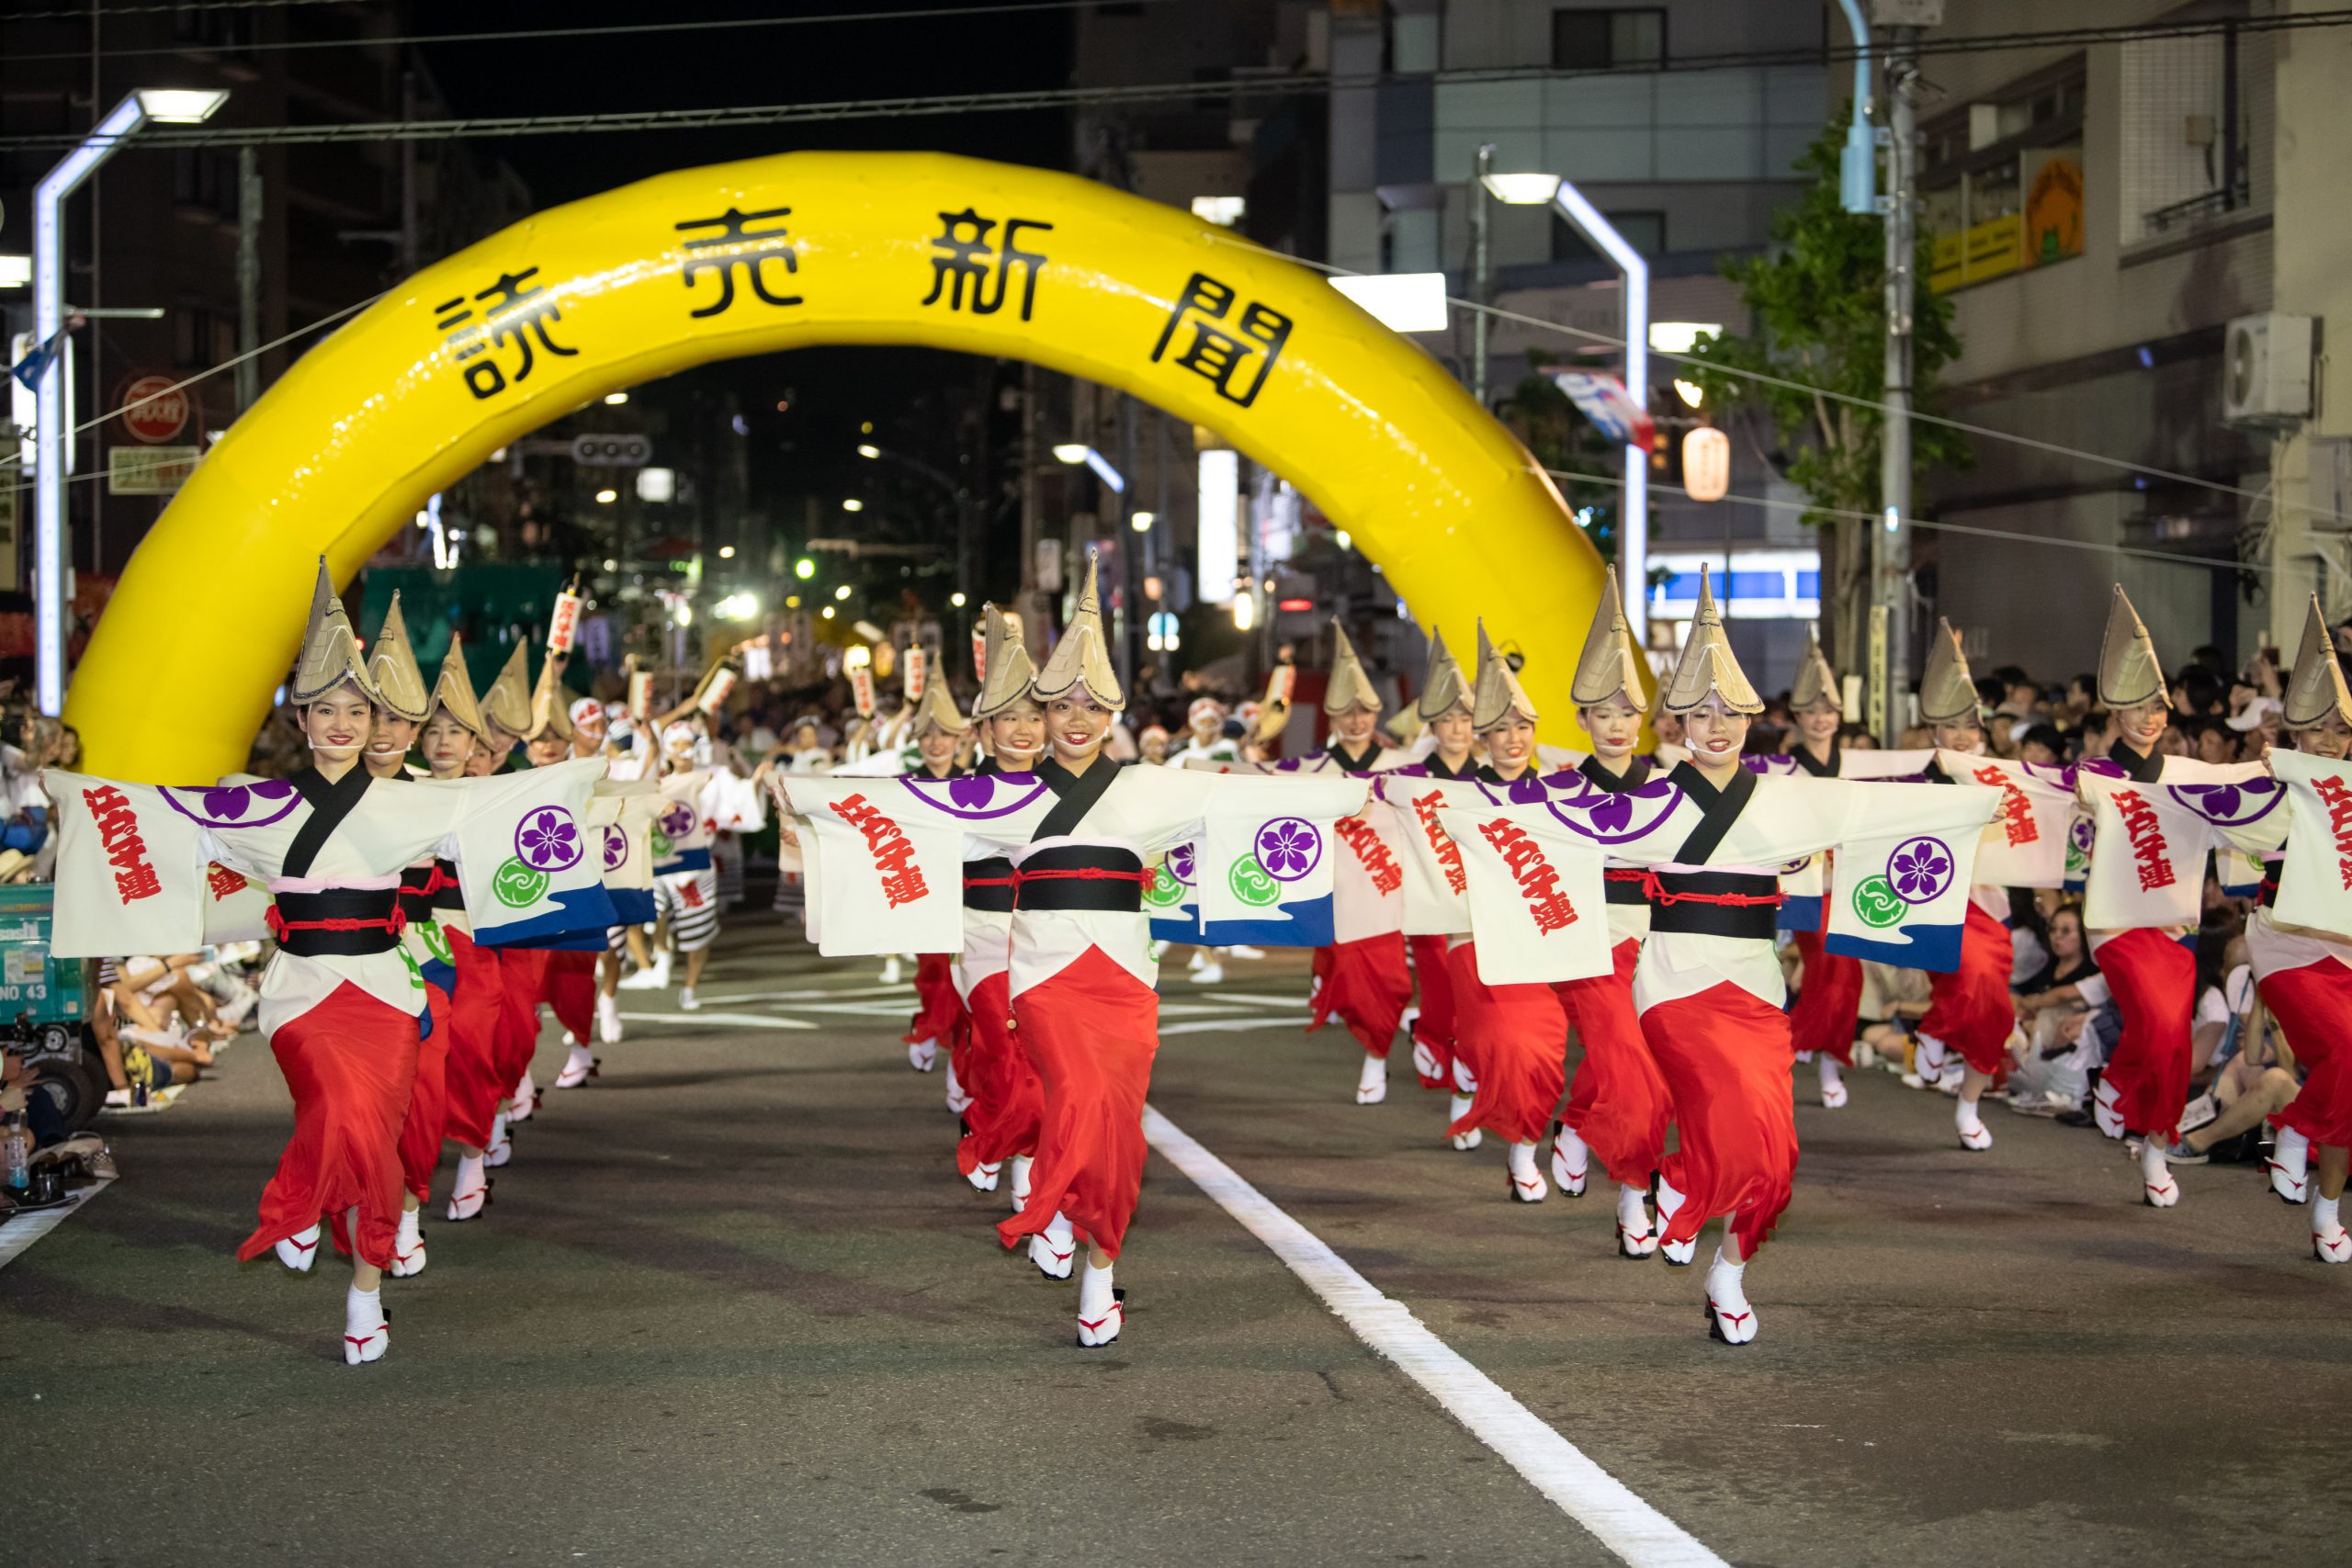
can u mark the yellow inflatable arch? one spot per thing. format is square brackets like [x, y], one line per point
[779, 252]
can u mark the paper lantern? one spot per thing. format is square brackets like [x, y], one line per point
[1706, 464]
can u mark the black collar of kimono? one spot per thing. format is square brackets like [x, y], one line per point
[1074, 794]
[2143, 770]
[1719, 810]
[953, 773]
[986, 765]
[1934, 772]
[1438, 769]
[1486, 775]
[329, 804]
[1597, 774]
[1829, 770]
[1360, 764]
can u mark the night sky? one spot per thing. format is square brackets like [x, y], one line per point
[833, 391]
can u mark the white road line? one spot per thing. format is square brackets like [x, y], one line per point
[1230, 1025]
[22, 1231]
[719, 1020]
[1618, 1518]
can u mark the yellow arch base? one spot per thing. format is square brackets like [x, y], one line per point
[840, 248]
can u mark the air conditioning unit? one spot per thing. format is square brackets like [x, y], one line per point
[2267, 370]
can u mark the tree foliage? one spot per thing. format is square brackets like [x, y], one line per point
[1816, 300]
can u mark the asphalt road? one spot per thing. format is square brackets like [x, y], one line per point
[732, 1305]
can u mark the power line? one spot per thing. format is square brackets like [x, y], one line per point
[735, 116]
[84, 13]
[613, 29]
[2013, 536]
[1767, 379]
[16, 460]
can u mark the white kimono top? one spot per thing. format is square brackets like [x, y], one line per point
[131, 874]
[887, 854]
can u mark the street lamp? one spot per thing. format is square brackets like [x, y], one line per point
[1077, 452]
[162, 105]
[1537, 190]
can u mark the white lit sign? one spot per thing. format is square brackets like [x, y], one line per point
[1220, 525]
[1402, 301]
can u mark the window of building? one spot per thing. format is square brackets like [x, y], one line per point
[2193, 119]
[1646, 231]
[1617, 39]
[2001, 180]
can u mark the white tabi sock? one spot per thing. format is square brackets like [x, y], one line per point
[500, 1148]
[1634, 1210]
[1727, 1303]
[2156, 1175]
[469, 1191]
[2323, 1214]
[366, 1335]
[1527, 1182]
[2290, 1165]
[1020, 1164]
[1101, 1316]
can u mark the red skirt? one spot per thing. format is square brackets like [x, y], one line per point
[1515, 1038]
[1617, 1104]
[477, 1015]
[1008, 1101]
[429, 1101]
[2154, 979]
[349, 1062]
[1366, 983]
[1090, 1032]
[568, 987]
[526, 973]
[1725, 1055]
[2313, 1005]
[1433, 1027]
[1971, 1009]
[937, 1007]
[1828, 1008]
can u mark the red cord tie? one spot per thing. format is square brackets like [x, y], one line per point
[1078, 874]
[992, 881]
[1657, 894]
[279, 925]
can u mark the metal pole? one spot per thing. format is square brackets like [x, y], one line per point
[1892, 541]
[51, 418]
[1033, 627]
[248, 276]
[1482, 272]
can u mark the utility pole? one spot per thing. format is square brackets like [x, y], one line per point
[1482, 272]
[248, 275]
[1891, 542]
[1033, 629]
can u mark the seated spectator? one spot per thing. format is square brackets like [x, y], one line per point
[2247, 1075]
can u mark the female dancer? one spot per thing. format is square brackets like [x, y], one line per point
[1008, 1101]
[339, 1001]
[455, 734]
[1971, 1013]
[1444, 707]
[1617, 1105]
[940, 731]
[1828, 1008]
[1362, 976]
[401, 704]
[2305, 977]
[1708, 984]
[1078, 832]
[2151, 975]
[1514, 1037]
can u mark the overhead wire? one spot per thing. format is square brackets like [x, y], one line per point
[1810, 509]
[1085, 96]
[611, 29]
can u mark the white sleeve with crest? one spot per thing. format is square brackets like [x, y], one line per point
[529, 867]
[1436, 886]
[2315, 882]
[1267, 845]
[2025, 844]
